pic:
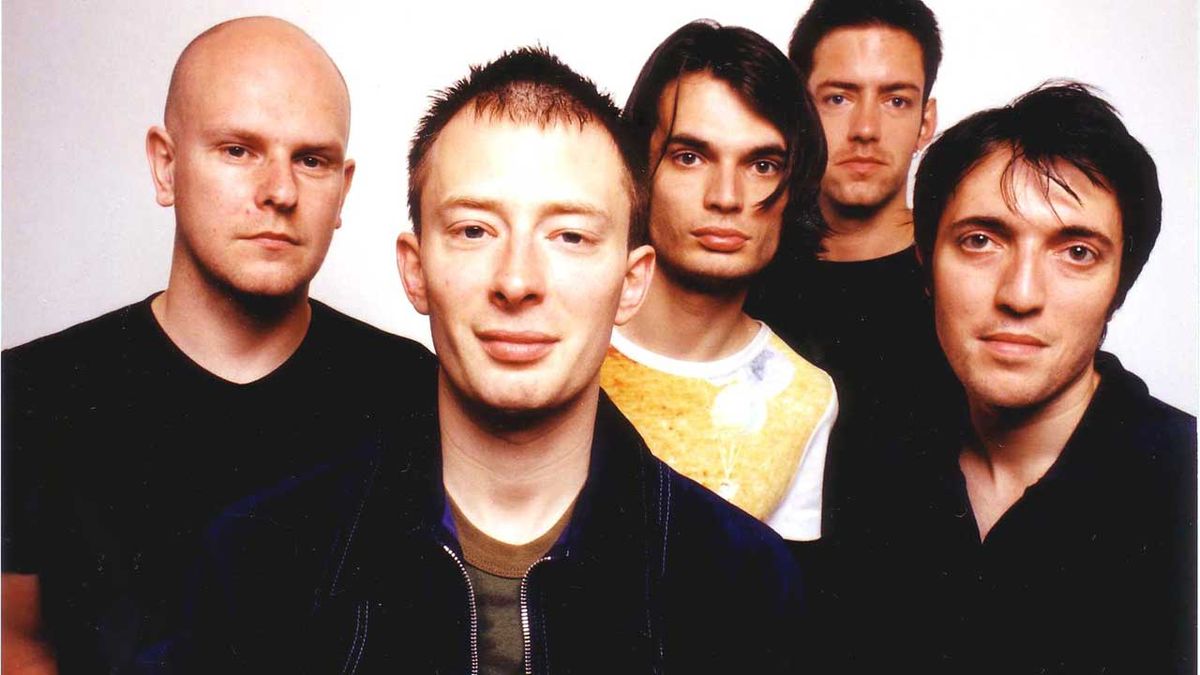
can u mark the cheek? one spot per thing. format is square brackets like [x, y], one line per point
[958, 295]
[673, 195]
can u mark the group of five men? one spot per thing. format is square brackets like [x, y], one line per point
[827, 433]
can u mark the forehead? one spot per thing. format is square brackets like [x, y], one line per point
[1026, 201]
[868, 54]
[280, 89]
[703, 106]
[519, 165]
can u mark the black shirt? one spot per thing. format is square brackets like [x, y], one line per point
[118, 449]
[1092, 570]
[869, 324]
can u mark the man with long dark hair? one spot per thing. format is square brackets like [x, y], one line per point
[733, 151]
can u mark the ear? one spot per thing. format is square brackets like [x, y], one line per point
[638, 273]
[412, 274]
[928, 124]
[160, 152]
[347, 179]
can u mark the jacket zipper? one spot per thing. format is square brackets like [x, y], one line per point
[474, 617]
[525, 632]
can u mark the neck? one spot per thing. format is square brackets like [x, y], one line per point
[514, 476]
[857, 234]
[235, 338]
[691, 324]
[1022, 444]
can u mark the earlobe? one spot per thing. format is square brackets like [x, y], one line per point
[928, 123]
[160, 153]
[638, 275]
[412, 274]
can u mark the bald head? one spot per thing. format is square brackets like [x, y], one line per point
[252, 45]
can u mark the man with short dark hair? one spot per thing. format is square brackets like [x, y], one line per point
[732, 142]
[125, 435]
[1053, 530]
[858, 307]
[526, 527]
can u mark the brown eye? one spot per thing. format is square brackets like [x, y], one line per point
[766, 167]
[1081, 254]
[975, 242]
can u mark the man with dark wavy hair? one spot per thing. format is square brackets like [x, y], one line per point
[526, 527]
[1053, 529]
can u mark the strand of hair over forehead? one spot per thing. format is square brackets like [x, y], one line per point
[1053, 122]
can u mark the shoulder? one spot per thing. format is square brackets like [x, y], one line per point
[1124, 409]
[734, 591]
[341, 330]
[807, 374]
[710, 534]
[91, 339]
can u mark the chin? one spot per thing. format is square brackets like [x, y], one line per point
[1009, 393]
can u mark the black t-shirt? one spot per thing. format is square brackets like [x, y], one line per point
[118, 449]
[1092, 570]
[869, 324]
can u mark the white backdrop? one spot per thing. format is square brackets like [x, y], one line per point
[82, 80]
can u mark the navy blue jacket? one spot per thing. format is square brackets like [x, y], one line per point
[353, 570]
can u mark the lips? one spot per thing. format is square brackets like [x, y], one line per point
[516, 346]
[273, 240]
[861, 164]
[721, 239]
[1013, 344]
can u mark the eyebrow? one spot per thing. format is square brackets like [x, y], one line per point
[888, 87]
[555, 208]
[999, 226]
[1084, 232]
[328, 147]
[703, 146]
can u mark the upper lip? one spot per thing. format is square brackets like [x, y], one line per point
[1016, 338]
[861, 158]
[518, 336]
[717, 231]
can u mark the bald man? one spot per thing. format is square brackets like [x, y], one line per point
[124, 435]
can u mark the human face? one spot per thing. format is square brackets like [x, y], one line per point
[719, 159]
[867, 83]
[523, 264]
[1022, 295]
[253, 160]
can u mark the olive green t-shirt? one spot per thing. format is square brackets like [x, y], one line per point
[496, 569]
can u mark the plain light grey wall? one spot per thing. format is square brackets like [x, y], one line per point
[83, 80]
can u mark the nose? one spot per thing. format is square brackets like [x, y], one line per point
[520, 277]
[277, 185]
[723, 193]
[864, 122]
[1022, 286]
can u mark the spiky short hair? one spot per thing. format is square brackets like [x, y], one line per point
[528, 86]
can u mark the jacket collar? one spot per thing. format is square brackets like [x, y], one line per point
[404, 499]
